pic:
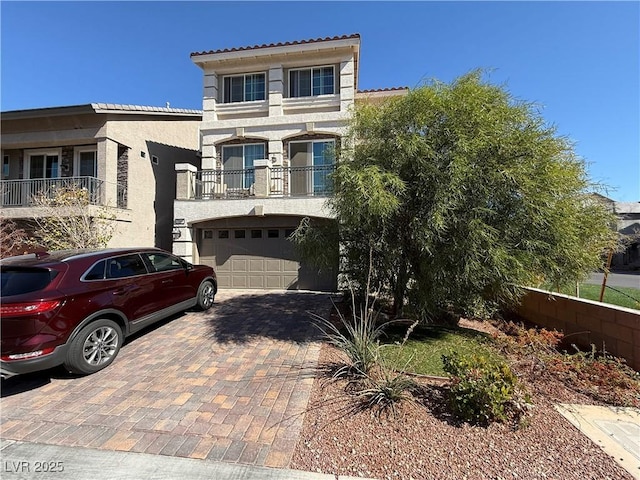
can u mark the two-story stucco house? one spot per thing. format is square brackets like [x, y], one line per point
[225, 186]
[123, 155]
[274, 117]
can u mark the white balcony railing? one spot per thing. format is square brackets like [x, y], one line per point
[20, 193]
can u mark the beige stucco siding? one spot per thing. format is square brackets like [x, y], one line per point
[126, 135]
[138, 135]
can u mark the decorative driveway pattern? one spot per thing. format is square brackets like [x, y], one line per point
[230, 384]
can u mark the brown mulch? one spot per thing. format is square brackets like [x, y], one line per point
[423, 441]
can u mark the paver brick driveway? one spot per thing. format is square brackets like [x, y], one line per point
[230, 384]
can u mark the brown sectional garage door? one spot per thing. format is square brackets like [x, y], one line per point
[254, 258]
[258, 255]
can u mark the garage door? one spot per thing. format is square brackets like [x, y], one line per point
[259, 257]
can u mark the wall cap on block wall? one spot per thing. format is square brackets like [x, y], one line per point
[583, 300]
[593, 323]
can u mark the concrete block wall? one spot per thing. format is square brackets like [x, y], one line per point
[585, 322]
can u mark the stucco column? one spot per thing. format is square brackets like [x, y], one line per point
[276, 152]
[108, 170]
[276, 90]
[185, 181]
[262, 178]
[210, 97]
[347, 85]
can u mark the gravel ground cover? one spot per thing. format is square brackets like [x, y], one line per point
[423, 441]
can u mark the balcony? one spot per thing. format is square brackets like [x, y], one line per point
[20, 193]
[263, 181]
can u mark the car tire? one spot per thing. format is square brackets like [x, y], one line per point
[206, 295]
[94, 347]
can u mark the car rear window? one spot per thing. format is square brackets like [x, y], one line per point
[16, 281]
[96, 272]
[126, 266]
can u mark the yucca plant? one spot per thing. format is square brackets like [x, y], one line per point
[385, 388]
[357, 338]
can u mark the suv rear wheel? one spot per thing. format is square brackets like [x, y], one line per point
[95, 347]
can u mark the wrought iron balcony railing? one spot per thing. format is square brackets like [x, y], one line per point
[281, 182]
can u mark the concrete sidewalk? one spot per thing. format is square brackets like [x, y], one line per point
[615, 429]
[35, 461]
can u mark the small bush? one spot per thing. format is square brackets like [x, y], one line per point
[386, 388]
[599, 375]
[595, 373]
[483, 391]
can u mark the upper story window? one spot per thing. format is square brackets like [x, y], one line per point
[311, 82]
[43, 164]
[312, 163]
[86, 164]
[244, 88]
[239, 160]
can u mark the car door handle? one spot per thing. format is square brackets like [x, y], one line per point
[125, 290]
[167, 282]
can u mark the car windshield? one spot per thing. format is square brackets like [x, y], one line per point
[16, 281]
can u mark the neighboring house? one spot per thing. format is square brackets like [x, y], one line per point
[628, 226]
[123, 155]
[274, 117]
[628, 215]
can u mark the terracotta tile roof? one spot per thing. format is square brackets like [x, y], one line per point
[281, 44]
[389, 89]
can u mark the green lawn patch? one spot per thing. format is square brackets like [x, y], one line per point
[422, 353]
[622, 296]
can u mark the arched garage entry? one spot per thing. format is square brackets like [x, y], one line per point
[255, 252]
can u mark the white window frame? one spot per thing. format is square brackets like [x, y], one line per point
[44, 151]
[244, 75]
[244, 158]
[335, 86]
[319, 140]
[247, 178]
[76, 159]
[6, 162]
[312, 173]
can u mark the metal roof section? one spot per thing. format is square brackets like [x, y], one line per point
[137, 109]
[90, 108]
[280, 44]
[48, 112]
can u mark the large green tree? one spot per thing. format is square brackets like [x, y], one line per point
[464, 194]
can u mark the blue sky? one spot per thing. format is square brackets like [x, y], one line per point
[578, 60]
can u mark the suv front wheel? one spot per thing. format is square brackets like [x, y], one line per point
[206, 295]
[95, 347]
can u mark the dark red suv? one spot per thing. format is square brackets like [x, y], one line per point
[74, 308]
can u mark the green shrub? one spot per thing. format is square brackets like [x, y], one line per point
[482, 391]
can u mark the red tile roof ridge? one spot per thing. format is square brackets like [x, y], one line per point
[280, 44]
[387, 89]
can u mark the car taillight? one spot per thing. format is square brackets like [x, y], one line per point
[26, 356]
[28, 308]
